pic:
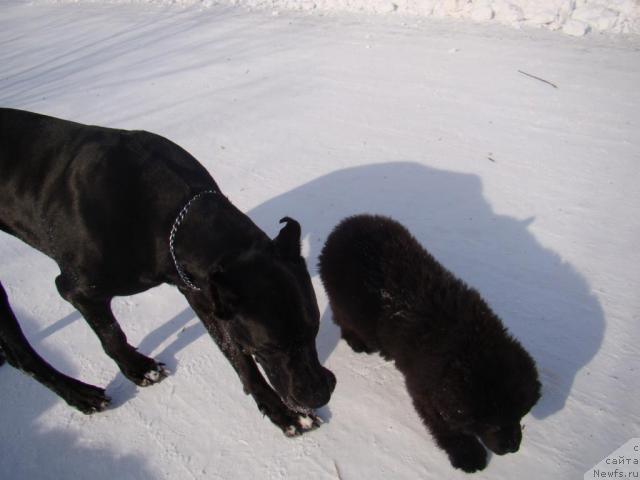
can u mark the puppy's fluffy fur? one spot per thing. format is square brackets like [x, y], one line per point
[468, 378]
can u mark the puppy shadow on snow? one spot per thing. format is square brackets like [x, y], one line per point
[541, 299]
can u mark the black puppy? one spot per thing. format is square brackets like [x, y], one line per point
[123, 211]
[467, 377]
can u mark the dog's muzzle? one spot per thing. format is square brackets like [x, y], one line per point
[314, 392]
[300, 380]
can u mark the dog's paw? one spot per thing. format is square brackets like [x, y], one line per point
[468, 455]
[301, 424]
[88, 399]
[155, 375]
[143, 371]
[291, 423]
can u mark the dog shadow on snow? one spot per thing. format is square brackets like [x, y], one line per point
[31, 450]
[541, 298]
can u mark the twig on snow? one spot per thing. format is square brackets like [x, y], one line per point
[335, 465]
[538, 78]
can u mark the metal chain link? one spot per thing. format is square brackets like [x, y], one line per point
[172, 238]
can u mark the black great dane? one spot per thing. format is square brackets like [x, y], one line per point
[124, 211]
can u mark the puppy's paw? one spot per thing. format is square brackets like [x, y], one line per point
[467, 454]
[303, 423]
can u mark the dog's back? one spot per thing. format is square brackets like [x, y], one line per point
[63, 184]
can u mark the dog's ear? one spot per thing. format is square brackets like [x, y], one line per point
[288, 240]
[225, 300]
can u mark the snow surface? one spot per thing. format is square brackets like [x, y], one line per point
[573, 17]
[526, 191]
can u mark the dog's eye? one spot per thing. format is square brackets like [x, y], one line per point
[264, 351]
[270, 350]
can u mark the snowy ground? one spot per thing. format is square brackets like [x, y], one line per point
[528, 192]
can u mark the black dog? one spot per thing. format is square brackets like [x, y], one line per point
[467, 377]
[124, 211]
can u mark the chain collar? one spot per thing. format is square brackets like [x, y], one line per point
[172, 238]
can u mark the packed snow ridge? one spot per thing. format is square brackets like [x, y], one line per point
[574, 17]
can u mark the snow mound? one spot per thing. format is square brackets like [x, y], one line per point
[573, 17]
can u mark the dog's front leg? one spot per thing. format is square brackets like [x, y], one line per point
[137, 367]
[290, 422]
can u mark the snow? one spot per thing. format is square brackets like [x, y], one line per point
[526, 191]
[617, 16]
[575, 28]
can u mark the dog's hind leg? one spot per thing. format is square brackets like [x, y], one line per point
[137, 367]
[18, 352]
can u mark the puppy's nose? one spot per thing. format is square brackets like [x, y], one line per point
[512, 443]
[512, 447]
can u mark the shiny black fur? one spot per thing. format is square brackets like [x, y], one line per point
[468, 378]
[101, 203]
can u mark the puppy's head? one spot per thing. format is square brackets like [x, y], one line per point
[266, 298]
[488, 394]
[509, 388]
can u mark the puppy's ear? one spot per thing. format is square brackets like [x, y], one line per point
[288, 240]
[225, 300]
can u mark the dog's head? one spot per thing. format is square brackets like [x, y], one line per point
[266, 298]
[488, 395]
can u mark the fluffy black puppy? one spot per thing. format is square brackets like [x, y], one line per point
[467, 376]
